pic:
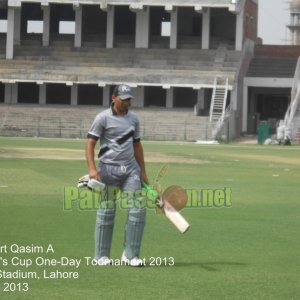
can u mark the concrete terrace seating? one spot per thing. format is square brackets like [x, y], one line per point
[93, 64]
[74, 122]
[276, 67]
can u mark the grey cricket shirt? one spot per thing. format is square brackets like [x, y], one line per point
[117, 135]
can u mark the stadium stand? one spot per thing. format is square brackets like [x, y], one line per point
[175, 76]
[61, 121]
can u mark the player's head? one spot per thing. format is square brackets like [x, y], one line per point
[123, 91]
[121, 97]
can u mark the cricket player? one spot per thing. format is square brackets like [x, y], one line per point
[121, 164]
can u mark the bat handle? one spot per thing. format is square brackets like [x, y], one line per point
[152, 194]
[146, 186]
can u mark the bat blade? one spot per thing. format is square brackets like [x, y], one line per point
[162, 173]
[175, 217]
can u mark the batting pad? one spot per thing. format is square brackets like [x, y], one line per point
[134, 232]
[103, 232]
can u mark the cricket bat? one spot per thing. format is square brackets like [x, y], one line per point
[175, 217]
[170, 212]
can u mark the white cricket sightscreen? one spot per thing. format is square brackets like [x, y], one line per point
[35, 26]
[66, 27]
[165, 28]
[3, 26]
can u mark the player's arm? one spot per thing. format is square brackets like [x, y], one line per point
[139, 156]
[90, 158]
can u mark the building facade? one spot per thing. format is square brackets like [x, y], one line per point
[171, 52]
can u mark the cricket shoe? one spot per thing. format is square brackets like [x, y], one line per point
[104, 261]
[134, 262]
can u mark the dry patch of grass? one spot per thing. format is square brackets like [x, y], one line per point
[78, 154]
[268, 158]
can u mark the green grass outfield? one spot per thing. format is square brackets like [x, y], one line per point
[250, 250]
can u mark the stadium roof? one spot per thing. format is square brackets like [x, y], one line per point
[198, 4]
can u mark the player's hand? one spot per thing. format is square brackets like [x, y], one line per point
[94, 174]
[144, 178]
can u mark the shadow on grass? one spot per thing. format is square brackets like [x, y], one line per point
[210, 266]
